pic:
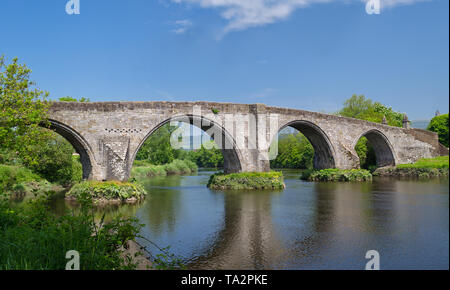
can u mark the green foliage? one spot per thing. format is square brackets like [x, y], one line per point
[424, 168]
[366, 153]
[32, 238]
[77, 169]
[70, 99]
[180, 167]
[22, 109]
[168, 261]
[144, 169]
[247, 180]
[54, 160]
[337, 175]
[9, 157]
[110, 190]
[294, 151]
[16, 178]
[215, 111]
[413, 172]
[206, 158]
[437, 162]
[359, 107]
[439, 124]
[148, 171]
[157, 149]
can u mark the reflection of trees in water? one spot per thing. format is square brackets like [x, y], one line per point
[246, 239]
[60, 206]
[341, 212]
[163, 203]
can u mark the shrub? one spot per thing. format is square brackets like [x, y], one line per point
[338, 175]
[175, 167]
[18, 179]
[109, 190]
[53, 160]
[77, 169]
[247, 180]
[33, 238]
[148, 171]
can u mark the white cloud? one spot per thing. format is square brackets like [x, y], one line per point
[181, 26]
[242, 14]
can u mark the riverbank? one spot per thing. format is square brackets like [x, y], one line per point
[142, 169]
[326, 175]
[17, 181]
[423, 168]
[247, 180]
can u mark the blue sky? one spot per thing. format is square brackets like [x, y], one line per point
[306, 54]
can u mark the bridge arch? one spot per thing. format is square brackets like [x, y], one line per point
[80, 145]
[384, 151]
[324, 154]
[231, 155]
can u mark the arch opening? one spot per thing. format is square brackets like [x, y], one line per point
[199, 128]
[78, 143]
[374, 150]
[322, 155]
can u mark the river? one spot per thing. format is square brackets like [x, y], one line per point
[306, 226]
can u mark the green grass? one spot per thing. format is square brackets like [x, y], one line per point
[32, 238]
[337, 175]
[109, 190]
[437, 162]
[247, 180]
[142, 169]
[424, 168]
[16, 179]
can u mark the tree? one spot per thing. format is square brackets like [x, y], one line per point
[54, 160]
[360, 107]
[157, 148]
[210, 158]
[22, 110]
[294, 151]
[439, 124]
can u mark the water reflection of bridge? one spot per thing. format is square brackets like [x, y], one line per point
[330, 226]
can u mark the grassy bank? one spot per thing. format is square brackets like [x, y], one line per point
[337, 175]
[423, 168]
[247, 180]
[437, 162]
[32, 238]
[107, 192]
[18, 181]
[144, 169]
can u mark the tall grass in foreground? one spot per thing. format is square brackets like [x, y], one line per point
[32, 238]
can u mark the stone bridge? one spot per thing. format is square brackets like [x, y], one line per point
[108, 135]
